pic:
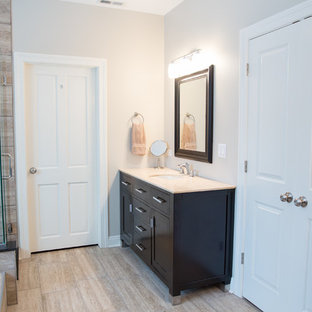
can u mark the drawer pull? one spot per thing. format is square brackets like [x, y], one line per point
[140, 228]
[140, 191]
[130, 208]
[125, 183]
[159, 200]
[140, 210]
[140, 247]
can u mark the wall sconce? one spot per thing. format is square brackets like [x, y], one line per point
[190, 63]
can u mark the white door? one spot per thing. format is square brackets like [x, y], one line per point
[278, 248]
[61, 152]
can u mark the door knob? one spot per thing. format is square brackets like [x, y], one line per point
[33, 170]
[301, 202]
[287, 197]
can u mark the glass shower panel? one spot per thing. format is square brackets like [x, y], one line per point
[3, 168]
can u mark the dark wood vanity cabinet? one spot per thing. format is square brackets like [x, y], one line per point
[186, 239]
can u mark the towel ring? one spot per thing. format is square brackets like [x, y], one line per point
[190, 116]
[137, 115]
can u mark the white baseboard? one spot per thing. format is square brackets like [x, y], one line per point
[114, 241]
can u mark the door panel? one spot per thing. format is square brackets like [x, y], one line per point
[303, 146]
[79, 207]
[47, 117]
[308, 283]
[269, 226]
[273, 86]
[277, 272]
[267, 241]
[161, 244]
[77, 121]
[61, 146]
[126, 217]
[49, 214]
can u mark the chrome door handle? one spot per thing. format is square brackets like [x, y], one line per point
[159, 200]
[125, 183]
[140, 247]
[301, 202]
[10, 166]
[287, 197]
[140, 210]
[140, 191]
[140, 228]
[33, 170]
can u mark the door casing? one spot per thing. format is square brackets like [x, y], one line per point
[261, 28]
[100, 68]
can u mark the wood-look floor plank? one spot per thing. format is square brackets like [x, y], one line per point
[29, 276]
[91, 279]
[55, 277]
[94, 296]
[28, 301]
[69, 300]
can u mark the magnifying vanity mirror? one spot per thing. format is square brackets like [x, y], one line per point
[194, 116]
[159, 148]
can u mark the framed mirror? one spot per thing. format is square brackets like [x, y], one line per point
[194, 115]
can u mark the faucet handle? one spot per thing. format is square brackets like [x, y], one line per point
[191, 171]
[180, 167]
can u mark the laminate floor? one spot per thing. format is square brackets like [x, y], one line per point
[107, 280]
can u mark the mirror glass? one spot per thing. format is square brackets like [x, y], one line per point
[193, 115]
[159, 148]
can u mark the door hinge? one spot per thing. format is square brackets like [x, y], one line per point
[246, 166]
[242, 258]
[4, 80]
[247, 69]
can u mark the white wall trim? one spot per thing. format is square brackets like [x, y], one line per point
[114, 241]
[268, 25]
[100, 66]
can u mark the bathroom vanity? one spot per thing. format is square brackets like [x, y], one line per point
[180, 226]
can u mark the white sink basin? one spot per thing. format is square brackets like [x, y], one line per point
[168, 176]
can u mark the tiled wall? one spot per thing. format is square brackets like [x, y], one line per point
[6, 113]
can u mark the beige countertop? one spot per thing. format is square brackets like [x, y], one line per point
[176, 183]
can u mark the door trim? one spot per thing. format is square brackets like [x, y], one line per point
[100, 66]
[280, 20]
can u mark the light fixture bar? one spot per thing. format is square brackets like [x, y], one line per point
[187, 56]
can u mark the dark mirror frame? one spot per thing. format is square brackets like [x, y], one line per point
[194, 155]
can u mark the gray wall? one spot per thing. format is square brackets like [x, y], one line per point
[214, 26]
[132, 43]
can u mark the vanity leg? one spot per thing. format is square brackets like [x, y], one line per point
[123, 244]
[174, 297]
[224, 287]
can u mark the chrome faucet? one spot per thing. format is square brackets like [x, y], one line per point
[184, 168]
[187, 169]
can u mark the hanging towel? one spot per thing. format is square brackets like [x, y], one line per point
[188, 141]
[138, 139]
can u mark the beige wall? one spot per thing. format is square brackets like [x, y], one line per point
[133, 45]
[214, 26]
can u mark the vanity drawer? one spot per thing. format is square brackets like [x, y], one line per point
[160, 200]
[141, 190]
[142, 247]
[125, 182]
[141, 228]
[141, 211]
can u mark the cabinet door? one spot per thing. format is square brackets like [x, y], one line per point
[161, 244]
[126, 217]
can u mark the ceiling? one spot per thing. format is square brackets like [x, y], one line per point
[159, 7]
